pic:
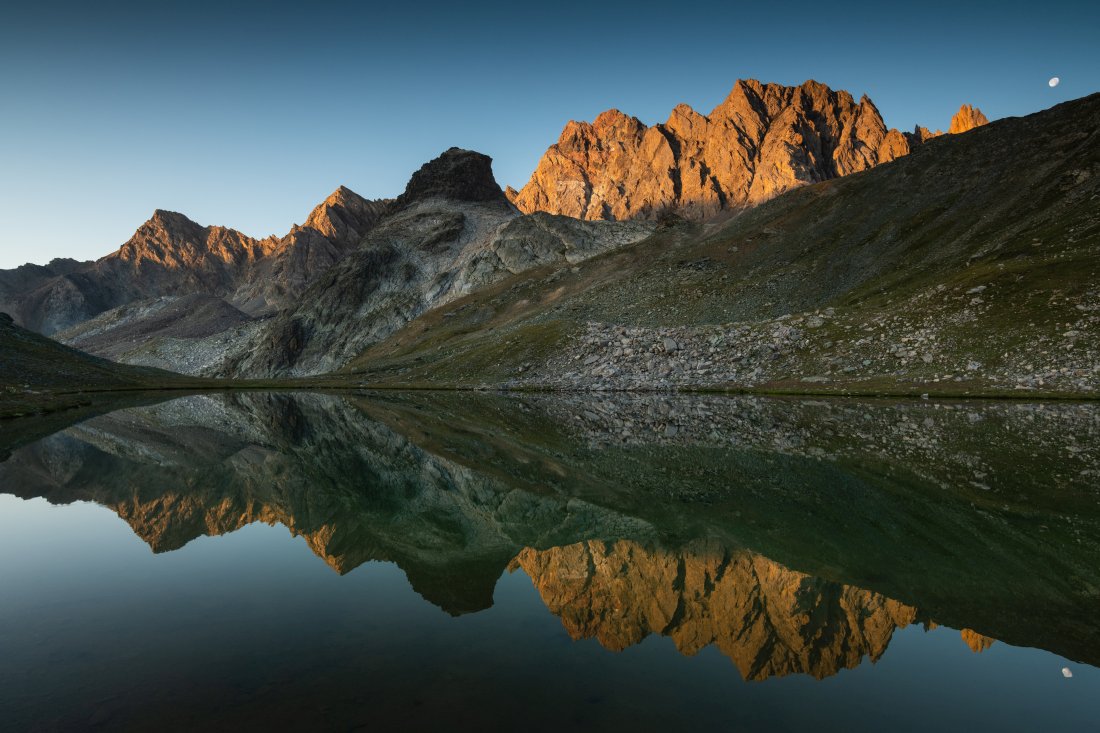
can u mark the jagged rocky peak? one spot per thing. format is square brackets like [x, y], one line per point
[172, 239]
[172, 255]
[613, 120]
[458, 175]
[763, 139]
[922, 134]
[171, 223]
[342, 198]
[163, 230]
[345, 216]
[967, 118]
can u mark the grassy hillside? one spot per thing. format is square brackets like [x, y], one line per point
[968, 267]
[38, 374]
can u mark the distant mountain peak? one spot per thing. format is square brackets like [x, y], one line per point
[457, 174]
[171, 221]
[345, 216]
[967, 118]
[172, 255]
[922, 134]
[342, 196]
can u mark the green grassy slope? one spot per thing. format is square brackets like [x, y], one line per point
[968, 267]
[38, 374]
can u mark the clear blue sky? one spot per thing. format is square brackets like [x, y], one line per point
[248, 114]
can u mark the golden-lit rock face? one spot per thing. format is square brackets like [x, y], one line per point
[345, 216]
[770, 621]
[173, 241]
[762, 140]
[977, 642]
[967, 118]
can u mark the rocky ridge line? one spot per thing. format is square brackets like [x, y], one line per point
[764, 139]
[171, 256]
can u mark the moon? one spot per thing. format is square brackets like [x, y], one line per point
[1053, 82]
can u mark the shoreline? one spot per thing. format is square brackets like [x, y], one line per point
[32, 404]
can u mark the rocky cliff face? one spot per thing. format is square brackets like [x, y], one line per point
[17, 282]
[332, 229]
[764, 139]
[456, 175]
[168, 255]
[967, 118]
[451, 232]
[344, 217]
[170, 249]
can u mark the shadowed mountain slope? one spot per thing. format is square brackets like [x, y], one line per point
[452, 232]
[36, 371]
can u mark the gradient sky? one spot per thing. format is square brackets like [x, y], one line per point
[249, 114]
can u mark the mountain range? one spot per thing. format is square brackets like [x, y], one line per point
[787, 240]
[764, 139]
[171, 256]
[965, 267]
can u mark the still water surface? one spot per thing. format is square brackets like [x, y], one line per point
[423, 561]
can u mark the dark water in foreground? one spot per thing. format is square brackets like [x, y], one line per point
[448, 561]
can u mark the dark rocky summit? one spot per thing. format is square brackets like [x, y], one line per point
[456, 175]
[451, 233]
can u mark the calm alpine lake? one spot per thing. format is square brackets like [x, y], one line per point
[461, 561]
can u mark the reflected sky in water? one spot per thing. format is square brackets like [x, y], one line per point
[253, 628]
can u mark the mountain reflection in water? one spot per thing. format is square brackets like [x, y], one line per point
[795, 537]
